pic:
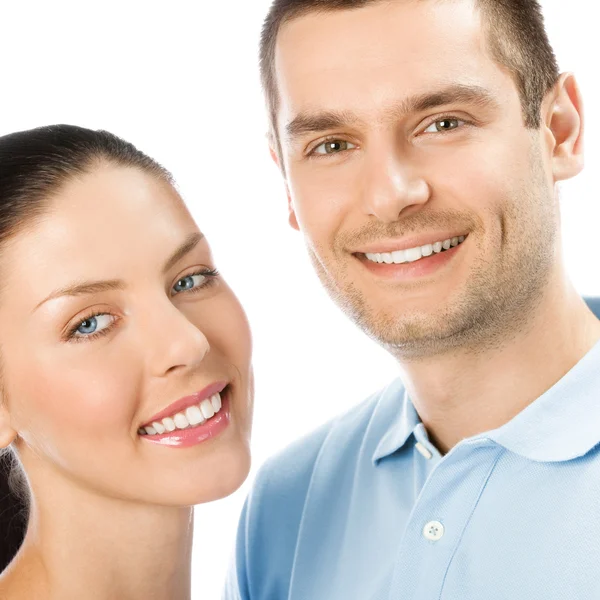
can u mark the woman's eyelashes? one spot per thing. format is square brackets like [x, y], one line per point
[195, 281]
[98, 323]
[91, 328]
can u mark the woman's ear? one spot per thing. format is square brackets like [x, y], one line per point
[563, 119]
[7, 433]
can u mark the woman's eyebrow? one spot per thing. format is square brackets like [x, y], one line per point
[93, 287]
[190, 243]
[84, 287]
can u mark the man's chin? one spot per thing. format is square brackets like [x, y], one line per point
[417, 334]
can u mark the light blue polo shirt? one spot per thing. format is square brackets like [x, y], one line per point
[365, 508]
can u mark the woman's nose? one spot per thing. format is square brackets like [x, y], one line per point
[173, 341]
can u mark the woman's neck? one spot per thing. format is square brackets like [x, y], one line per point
[81, 545]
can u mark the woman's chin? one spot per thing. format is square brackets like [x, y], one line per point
[226, 482]
[212, 484]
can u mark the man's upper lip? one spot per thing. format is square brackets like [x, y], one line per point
[187, 401]
[391, 245]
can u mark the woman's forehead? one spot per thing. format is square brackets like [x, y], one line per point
[106, 224]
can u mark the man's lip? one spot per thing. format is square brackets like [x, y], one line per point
[187, 401]
[381, 247]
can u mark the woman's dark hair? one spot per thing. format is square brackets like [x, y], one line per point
[34, 166]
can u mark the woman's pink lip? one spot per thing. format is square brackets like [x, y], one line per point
[187, 401]
[184, 438]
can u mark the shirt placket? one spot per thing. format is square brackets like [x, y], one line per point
[442, 511]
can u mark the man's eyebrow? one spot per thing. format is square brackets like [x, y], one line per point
[94, 287]
[305, 123]
[457, 93]
[315, 123]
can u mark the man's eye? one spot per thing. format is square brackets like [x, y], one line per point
[333, 147]
[442, 125]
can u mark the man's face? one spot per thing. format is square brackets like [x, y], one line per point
[399, 132]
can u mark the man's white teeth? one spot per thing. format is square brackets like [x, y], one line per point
[194, 415]
[414, 254]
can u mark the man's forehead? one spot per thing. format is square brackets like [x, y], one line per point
[383, 55]
[377, 20]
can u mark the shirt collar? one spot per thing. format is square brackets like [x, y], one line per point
[398, 424]
[562, 424]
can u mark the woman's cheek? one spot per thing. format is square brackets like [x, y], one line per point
[69, 402]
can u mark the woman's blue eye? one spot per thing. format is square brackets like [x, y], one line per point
[93, 324]
[189, 282]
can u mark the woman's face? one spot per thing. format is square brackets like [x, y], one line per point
[150, 323]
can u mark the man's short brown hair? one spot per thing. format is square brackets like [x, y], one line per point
[514, 28]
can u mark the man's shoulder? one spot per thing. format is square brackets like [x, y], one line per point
[272, 516]
[283, 482]
[293, 466]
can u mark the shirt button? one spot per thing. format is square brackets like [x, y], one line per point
[423, 450]
[433, 531]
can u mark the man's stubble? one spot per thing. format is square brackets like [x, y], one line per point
[498, 299]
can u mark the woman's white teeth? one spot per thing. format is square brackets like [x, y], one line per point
[194, 415]
[207, 409]
[181, 421]
[160, 428]
[169, 424]
[414, 254]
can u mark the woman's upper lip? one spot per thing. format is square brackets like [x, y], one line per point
[187, 401]
[408, 242]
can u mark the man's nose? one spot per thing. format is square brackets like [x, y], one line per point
[391, 186]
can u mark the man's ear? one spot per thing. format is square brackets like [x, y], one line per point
[563, 119]
[7, 433]
[291, 212]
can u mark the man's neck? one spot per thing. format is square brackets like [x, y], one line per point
[464, 393]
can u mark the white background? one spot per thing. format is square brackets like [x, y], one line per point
[181, 82]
